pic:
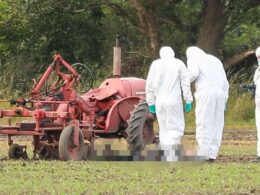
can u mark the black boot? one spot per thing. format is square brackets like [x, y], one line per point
[257, 160]
[211, 160]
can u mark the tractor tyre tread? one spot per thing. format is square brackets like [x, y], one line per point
[63, 144]
[136, 123]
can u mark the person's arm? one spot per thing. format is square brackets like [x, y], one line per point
[185, 83]
[256, 75]
[150, 87]
[226, 84]
[226, 88]
[255, 85]
[193, 69]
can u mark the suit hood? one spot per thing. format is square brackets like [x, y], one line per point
[194, 51]
[166, 52]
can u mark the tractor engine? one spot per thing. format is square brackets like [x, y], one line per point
[115, 98]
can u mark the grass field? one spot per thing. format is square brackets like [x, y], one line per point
[232, 173]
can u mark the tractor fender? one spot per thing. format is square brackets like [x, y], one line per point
[120, 111]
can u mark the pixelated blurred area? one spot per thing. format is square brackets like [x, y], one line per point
[117, 151]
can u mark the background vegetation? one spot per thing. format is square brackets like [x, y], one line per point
[31, 31]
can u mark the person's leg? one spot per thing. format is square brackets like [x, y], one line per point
[174, 123]
[204, 112]
[161, 118]
[173, 119]
[217, 130]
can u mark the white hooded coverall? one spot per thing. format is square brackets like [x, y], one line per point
[211, 96]
[165, 79]
[257, 100]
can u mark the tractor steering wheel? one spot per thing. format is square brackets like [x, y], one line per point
[85, 82]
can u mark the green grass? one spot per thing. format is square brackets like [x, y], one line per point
[232, 173]
[55, 177]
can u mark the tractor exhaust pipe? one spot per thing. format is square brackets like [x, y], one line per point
[117, 58]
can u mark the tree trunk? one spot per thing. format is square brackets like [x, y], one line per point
[212, 29]
[149, 23]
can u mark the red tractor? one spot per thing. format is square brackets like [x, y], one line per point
[65, 124]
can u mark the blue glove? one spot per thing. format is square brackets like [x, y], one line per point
[152, 109]
[188, 106]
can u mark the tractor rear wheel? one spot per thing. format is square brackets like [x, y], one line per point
[15, 151]
[67, 149]
[140, 128]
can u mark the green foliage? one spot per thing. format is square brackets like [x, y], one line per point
[180, 24]
[243, 33]
[84, 31]
[31, 31]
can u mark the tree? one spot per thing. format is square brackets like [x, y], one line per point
[84, 31]
[32, 30]
[213, 20]
[221, 16]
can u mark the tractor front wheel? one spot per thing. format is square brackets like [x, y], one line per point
[140, 128]
[67, 149]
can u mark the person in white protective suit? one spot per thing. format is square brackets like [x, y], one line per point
[166, 77]
[211, 95]
[257, 102]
